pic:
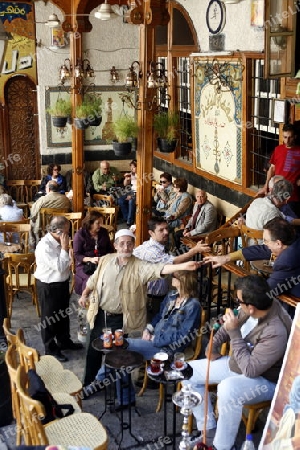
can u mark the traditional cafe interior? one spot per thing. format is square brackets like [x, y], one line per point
[149, 224]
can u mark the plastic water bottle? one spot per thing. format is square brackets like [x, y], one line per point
[248, 444]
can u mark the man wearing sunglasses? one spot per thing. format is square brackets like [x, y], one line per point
[164, 192]
[258, 338]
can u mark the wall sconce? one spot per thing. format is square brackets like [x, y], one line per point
[114, 75]
[65, 70]
[298, 85]
[53, 21]
[105, 12]
[156, 78]
[82, 70]
[133, 76]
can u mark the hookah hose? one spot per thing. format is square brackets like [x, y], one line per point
[202, 445]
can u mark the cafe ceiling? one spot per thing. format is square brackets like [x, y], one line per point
[152, 12]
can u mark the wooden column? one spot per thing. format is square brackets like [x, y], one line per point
[77, 135]
[145, 138]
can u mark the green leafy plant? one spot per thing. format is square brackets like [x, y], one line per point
[91, 107]
[61, 108]
[125, 127]
[166, 125]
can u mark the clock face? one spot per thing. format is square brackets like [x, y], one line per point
[215, 16]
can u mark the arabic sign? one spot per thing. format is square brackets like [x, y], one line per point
[10, 11]
[20, 56]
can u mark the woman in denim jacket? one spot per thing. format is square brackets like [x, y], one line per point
[174, 327]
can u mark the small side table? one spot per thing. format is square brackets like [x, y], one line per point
[161, 379]
[119, 361]
[109, 392]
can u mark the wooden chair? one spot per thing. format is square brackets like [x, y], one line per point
[21, 267]
[31, 189]
[11, 359]
[16, 190]
[11, 229]
[103, 201]
[80, 430]
[253, 414]
[46, 215]
[74, 218]
[12, 338]
[52, 372]
[12, 362]
[250, 236]
[110, 215]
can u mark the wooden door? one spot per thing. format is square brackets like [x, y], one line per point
[21, 155]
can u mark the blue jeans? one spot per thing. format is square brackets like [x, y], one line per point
[128, 208]
[233, 391]
[145, 348]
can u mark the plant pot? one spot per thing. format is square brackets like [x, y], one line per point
[81, 124]
[96, 121]
[166, 146]
[121, 148]
[59, 122]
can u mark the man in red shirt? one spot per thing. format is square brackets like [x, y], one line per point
[285, 161]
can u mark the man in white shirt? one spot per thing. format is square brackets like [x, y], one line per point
[52, 281]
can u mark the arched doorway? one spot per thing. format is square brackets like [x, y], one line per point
[21, 155]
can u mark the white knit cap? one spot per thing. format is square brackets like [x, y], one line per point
[124, 232]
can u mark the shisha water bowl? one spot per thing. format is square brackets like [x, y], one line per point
[187, 400]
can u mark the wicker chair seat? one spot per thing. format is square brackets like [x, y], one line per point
[65, 399]
[80, 430]
[55, 377]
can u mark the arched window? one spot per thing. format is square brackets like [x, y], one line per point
[174, 43]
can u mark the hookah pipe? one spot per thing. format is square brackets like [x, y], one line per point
[202, 445]
[216, 326]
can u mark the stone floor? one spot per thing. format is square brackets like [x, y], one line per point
[147, 425]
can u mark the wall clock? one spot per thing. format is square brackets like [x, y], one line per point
[215, 16]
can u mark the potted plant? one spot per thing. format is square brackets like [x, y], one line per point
[125, 128]
[89, 113]
[60, 112]
[166, 125]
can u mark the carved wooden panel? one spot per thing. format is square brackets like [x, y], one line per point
[21, 130]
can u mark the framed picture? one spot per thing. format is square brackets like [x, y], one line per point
[279, 110]
[257, 13]
[116, 100]
[57, 137]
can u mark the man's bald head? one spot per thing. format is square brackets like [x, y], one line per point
[201, 196]
[104, 166]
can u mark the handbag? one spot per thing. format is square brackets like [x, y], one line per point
[38, 391]
[89, 267]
